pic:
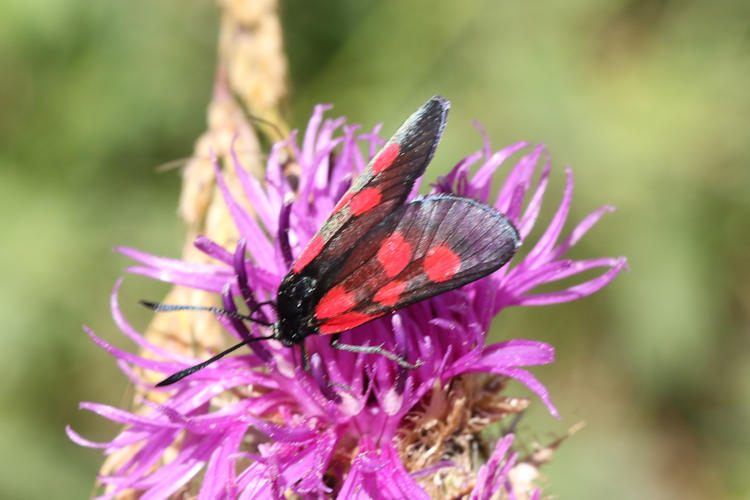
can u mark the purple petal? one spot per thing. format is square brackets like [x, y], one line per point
[520, 175]
[255, 194]
[532, 383]
[212, 249]
[582, 228]
[578, 291]
[518, 353]
[548, 239]
[432, 469]
[126, 356]
[166, 264]
[532, 210]
[261, 249]
[283, 434]
[490, 479]
[133, 335]
[124, 417]
[77, 439]
[208, 282]
[220, 474]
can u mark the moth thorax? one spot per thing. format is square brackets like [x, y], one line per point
[295, 305]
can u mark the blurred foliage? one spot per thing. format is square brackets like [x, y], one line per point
[647, 100]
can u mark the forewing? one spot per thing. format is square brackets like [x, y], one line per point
[427, 247]
[381, 189]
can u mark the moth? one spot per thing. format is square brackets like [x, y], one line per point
[377, 252]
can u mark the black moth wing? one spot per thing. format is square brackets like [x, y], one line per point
[427, 247]
[379, 189]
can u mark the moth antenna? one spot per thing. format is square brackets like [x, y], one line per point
[378, 349]
[175, 377]
[158, 306]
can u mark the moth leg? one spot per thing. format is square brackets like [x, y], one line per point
[323, 383]
[377, 349]
[261, 304]
[305, 361]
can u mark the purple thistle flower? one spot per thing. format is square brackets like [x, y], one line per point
[356, 426]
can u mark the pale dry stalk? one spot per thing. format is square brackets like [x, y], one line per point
[250, 80]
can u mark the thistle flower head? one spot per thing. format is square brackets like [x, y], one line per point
[356, 425]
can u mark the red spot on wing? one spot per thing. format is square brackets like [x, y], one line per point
[345, 322]
[336, 301]
[394, 254]
[365, 200]
[343, 201]
[385, 158]
[388, 294]
[441, 263]
[309, 253]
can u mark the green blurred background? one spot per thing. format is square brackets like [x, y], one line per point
[647, 100]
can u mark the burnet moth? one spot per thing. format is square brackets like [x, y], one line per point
[377, 253]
